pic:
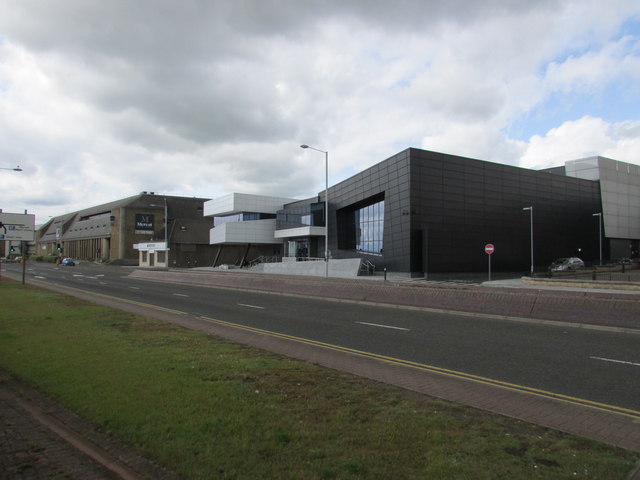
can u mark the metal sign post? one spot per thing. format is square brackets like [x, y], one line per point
[23, 251]
[18, 227]
[489, 249]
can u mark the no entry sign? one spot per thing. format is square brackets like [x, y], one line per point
[489, 248]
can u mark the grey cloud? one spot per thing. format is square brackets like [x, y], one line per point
[221, 93]
[199, 69]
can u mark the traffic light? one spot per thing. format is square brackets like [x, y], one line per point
[12, 249]
[59, 247]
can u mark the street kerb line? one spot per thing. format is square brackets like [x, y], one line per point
[423, 308]
[442, 371]
[635, 415]
[117, 299]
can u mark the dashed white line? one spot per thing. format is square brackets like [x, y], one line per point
[383, 326]
[134, 288]
[251, 306]
[615, 361]
[41, 278]
[181, 295]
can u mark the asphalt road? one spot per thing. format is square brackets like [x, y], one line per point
[598, 366]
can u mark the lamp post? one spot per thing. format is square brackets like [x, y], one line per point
[326, 207]
[531, 222]
[166, 222]
[599, 215]
[16, 169]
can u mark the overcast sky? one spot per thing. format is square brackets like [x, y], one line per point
[100, 100]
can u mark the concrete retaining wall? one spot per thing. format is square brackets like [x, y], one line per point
[347, 268]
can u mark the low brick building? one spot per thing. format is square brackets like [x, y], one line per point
[109, 232]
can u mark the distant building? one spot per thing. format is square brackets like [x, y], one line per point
[109, 232]
[243, 228]
[419, 212]
[619, 185]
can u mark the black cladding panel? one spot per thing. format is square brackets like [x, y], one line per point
[441, 210]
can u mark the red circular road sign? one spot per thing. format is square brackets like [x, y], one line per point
[489, 248]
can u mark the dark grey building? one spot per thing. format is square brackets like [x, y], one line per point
[424, 212]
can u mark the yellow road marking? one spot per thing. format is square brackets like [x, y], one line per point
[125, 300]
[634, 414]
[443, 371]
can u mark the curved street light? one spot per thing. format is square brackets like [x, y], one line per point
[326, 206]
[16, 169]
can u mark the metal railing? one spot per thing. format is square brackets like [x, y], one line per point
[264, 259]
[279, 259]
[367, 266]
[618, 273]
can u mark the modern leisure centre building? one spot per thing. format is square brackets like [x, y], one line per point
[421, 212]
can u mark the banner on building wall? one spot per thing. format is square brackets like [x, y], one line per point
[144, 223]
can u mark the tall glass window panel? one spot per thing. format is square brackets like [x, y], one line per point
[369, 228]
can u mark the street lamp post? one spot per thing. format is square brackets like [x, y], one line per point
[166, 225]
[166, 222]
[599, 215]
[16, 169]
[326, 207]
[531, 229]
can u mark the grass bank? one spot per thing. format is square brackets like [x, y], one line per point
[206, 408]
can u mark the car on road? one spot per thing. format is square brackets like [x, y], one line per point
[69, 262]
[564, 264]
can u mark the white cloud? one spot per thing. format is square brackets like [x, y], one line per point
[100, 100]
[584, 138]
[594, 69]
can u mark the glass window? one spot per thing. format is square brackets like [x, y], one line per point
[369, 228]
[242, 217]
[305, 215]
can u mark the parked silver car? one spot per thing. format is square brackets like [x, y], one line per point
[563, 264]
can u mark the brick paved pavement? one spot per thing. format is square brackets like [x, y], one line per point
[31, 451]
[614, 310]
[39, 439]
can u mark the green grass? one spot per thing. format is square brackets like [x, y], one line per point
[207, 408]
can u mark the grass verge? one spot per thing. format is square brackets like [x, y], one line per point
[207, 408]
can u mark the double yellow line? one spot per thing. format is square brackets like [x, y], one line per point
[433, 369]
[633, 414]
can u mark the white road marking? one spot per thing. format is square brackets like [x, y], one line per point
[383, 326]
[135, 288]
[180, 295]
[251, 306]
[41, 278]
[616, 361]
